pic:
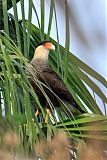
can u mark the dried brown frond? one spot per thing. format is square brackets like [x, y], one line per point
[57, 149]
[11, 139]
[6, 155]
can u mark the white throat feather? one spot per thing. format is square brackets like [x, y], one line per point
[41, 53]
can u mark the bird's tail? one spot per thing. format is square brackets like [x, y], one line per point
[72, 109]
[78, 108]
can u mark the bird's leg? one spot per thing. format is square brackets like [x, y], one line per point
[48, 111]
[36, 114]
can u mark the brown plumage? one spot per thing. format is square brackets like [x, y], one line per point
[39, 70]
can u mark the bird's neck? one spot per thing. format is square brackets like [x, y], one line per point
[42, 56]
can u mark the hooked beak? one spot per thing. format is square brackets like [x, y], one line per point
[49, 46]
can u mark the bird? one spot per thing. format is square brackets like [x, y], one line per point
[40, 71]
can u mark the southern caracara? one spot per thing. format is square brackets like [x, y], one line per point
[38, 69]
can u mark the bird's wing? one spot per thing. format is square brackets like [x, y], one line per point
[56, 83]
[58, 86]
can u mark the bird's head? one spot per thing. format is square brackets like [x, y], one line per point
[42, 50]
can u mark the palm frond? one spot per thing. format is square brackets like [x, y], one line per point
[18, 99]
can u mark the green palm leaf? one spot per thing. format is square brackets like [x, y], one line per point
[17, 97]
